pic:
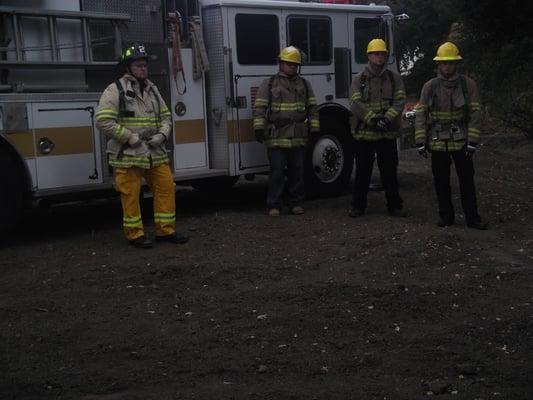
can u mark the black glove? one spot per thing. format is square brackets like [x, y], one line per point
[471, 148]
[382, 124]
[260, 135]
[422, 150]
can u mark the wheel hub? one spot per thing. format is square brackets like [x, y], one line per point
[328, 159]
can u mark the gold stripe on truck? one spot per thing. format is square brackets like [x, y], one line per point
[246, 131]
[189, 131]
[23, 142]
[69, 140]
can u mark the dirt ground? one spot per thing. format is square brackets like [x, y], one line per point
[318, 306]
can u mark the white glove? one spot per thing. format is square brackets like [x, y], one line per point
[382, 124]
[422, 150]
[134, 140]
[156, 140]
[471, 148]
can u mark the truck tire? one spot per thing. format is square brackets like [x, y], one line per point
[11, 190]
[329, 158]
[215, 184]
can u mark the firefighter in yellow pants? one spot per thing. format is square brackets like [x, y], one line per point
[133, 114]
[128, 184]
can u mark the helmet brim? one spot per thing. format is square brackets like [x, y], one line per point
[131, 59]
[454, 58]
[290, 61]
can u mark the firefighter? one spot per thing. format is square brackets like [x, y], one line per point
[133, 114]
[447, 125]
[284, 113]
[377, 101]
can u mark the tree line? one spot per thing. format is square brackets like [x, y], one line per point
[495, 41]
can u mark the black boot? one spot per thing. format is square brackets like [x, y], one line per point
[398, 212]
[444, 221]
[176, 238]
[355, 212]
[142, 242]
[477, 224]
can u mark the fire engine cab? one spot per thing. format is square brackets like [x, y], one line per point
[57, 56]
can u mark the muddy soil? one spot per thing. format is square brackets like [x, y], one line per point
[318, 306]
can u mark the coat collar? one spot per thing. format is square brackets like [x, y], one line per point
[132, 81]
[290, 78]
[370, 71]
[449, 82]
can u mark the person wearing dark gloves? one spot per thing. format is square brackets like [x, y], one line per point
[284, 114]
[447, 125]
[377, 101]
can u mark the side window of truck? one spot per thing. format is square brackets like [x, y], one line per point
[312, 36]
[257, 39]
[366, 29]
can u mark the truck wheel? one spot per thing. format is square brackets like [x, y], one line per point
[215, 184]
[329, 158]
[11, 190]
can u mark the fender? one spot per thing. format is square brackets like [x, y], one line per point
[333, 108]
[6, 143]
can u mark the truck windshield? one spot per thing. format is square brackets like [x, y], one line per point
[366, 29]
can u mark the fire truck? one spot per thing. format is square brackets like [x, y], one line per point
[57, 56]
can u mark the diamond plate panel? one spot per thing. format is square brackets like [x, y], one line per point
[146, 25]
[216, 89]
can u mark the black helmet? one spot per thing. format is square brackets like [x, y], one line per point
[133, 53]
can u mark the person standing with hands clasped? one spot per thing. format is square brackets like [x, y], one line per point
[377, 101]
[133, 114]
[283, 115]
[447, 125]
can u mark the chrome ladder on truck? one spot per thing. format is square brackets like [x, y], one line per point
[12, 17]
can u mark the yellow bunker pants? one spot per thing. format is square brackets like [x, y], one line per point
[159, 179]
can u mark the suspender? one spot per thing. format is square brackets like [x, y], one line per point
[270, 84]
[362, 83]
[435, 83]
[121, 98]
[123, 112]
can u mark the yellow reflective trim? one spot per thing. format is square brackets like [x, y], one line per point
[355, 97]
[138, 119]
[140, 125]
[106, 111]
[119, 131]
[137, 161]
[450, 145]
[392, 112]
[286, 143]
[164, 217]
[132, 222]
[369, 115]
[363, 134]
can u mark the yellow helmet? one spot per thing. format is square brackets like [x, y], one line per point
[376, 45]
[290, 54]
[447, 52]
